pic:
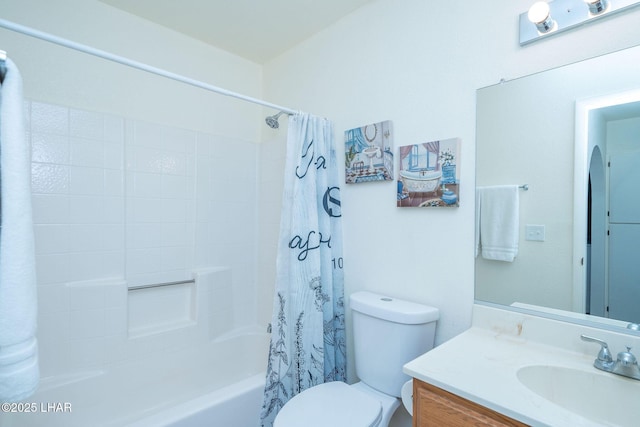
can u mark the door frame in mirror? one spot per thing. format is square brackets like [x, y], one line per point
[582, 157]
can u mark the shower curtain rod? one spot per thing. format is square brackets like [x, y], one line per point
[135, 64]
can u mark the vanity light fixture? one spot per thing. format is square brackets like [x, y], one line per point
[540, 15]
[545, 19]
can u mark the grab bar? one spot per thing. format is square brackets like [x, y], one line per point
[159, 285]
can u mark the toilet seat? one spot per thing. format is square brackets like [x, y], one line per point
[334, 404]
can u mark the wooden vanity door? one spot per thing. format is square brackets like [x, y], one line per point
[434, 407]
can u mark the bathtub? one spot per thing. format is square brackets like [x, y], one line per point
[421, 181]
[217, 384]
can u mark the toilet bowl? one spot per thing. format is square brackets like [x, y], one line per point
[387, 334]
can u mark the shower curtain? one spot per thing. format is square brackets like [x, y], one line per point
[308, 334]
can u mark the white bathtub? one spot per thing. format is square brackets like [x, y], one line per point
[218, 384]
[421, 181]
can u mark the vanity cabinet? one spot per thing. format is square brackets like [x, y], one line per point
[434, 407]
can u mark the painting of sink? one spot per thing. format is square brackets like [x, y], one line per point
[430, 174]
[369, 153]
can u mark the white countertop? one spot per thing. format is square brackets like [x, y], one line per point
[481, 364]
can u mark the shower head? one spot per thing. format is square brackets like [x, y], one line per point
[272, 121]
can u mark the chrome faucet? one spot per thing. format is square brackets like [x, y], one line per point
[625, 364]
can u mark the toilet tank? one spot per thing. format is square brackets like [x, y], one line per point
[388, 333]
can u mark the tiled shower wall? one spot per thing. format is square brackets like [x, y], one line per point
[122, 202]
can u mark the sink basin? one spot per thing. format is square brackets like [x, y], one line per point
[606, 398]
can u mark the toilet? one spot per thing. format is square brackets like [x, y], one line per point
[387, 333]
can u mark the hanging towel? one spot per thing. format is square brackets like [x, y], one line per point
[19, 372]
[497, 222]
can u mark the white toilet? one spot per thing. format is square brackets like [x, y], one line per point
[387, 333]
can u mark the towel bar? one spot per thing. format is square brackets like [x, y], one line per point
[159, 285]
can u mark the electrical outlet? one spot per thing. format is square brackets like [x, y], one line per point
[534, 232]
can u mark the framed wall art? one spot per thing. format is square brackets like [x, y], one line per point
[369, 153]
[429, 174]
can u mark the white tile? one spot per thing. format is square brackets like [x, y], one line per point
[87, 152]
[115, 295]
[86, 209]
[130, 157]
[53, 333]
[113, 182]
[113, 129]
[173, 210]
[87, 352]
[86, 180]
[176, 187]
[113, 264]
[203, 177]
[174, 258]
[113, 212]
[50, 148]
[86, 297]
[49, 178]
[85, 265]
[147, 184]
[86, 124]
[204, 210]
[148, 134]
[85, 237]
[141, 261]
[180, 140]
[204, 144]
[174, 163]
[53, 298]
[50, 209]
[175, 234]
[224, 148]
[49, 118]
[113, 155]
[149, 160]
[52, 268]
[144, 235]
[51, 238]
[145, 209]
[113, 237]
[116, 321]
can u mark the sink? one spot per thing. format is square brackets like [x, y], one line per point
[606, 398]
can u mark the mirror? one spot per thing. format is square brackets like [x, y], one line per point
[557, 131]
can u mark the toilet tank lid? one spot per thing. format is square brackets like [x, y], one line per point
[392, 309]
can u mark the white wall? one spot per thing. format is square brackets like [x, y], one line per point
[419, 64]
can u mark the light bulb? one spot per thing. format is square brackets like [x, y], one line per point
[539, 12]
[540, 15]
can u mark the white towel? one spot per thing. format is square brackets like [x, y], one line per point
[497, 222]
[19, 372]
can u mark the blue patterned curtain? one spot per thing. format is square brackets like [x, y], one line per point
[308, 344]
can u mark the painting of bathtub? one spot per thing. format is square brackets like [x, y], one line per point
[429, 174]
[369, 153]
